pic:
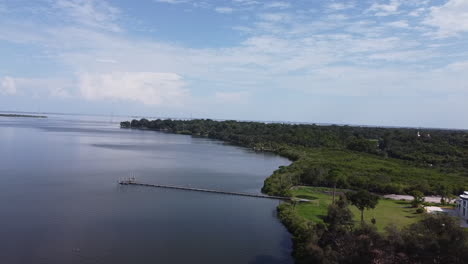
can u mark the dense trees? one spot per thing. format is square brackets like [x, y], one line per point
[339, 216]
[436, 239]
[445, 192]
[362, 199]
[418, 198]
[384, 160]
[333, 177]
[427, 147]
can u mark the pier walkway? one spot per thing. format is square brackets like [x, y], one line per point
[132, 182]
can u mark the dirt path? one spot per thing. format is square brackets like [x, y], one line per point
[430, 199]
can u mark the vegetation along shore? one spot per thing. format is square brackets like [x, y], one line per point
[341, 168]
[17, 115]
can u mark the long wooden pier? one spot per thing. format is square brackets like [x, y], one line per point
[132, 182]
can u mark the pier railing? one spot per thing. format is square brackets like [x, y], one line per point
[133, 182]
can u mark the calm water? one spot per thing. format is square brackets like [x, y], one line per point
[60, 201]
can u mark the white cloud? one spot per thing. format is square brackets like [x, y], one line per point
[404, 56]
[280, 5]
[376, 44]
[385, 9]
[193, 3]
[96, 14]
[59, 92]
[243, 29]
[36, 87]
[241, 97]
[450, 19]
[461, 66]
[337, 17]
[150, 88]
[268, 44]
[340, 6]
[103, 60]
[387, 82]
[246, 2]
[278, 53]
[224, 10]
[399, 24]
[275, 17]
[417, 12]
[171, 1]
[7, 86]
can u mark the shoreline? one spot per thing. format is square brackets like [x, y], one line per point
[23, 116]
[280, 182]
[278, 152]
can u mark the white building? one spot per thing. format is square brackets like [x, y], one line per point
[462, 206]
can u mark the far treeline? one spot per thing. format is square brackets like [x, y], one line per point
[16, 115]
[382, 160]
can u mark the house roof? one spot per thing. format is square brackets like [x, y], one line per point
[464, 196]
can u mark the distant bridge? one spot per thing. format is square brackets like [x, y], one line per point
[133, 182]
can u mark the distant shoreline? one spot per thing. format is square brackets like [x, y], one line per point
[16, 115]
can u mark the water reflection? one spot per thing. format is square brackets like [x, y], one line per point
[60, 202]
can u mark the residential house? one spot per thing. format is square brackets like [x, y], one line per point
[462, 206]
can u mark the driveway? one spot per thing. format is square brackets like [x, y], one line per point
[430, 199]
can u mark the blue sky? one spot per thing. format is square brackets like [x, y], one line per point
[376, 62]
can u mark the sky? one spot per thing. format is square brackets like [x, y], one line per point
[366, 62]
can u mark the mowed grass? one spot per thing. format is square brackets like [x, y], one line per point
[386, 212]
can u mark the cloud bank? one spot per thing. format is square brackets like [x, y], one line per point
[151, 88]
[258, 54]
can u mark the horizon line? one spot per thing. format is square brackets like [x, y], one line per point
[238, 120]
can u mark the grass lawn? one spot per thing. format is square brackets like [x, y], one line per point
[386, 212]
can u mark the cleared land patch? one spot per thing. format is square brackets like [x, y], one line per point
[386, 212]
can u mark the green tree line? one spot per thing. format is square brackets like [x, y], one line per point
[384, 160]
